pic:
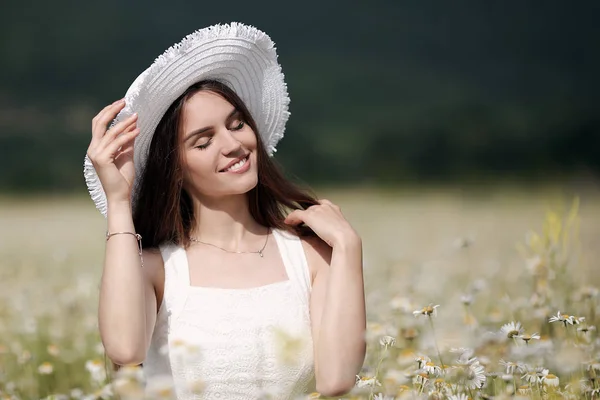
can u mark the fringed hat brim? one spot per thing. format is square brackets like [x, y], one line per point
[240, 56]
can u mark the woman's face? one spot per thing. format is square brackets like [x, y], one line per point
[213, 136]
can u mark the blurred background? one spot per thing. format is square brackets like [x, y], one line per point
[383, 92]
[461, 138]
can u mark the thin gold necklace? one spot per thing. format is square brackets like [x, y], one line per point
[260, 252]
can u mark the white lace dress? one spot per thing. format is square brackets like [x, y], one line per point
[234, 344]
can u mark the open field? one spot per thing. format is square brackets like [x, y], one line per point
[454, 249]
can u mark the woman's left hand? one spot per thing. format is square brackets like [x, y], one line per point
[327, 221]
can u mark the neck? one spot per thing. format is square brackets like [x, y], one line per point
[226, 222]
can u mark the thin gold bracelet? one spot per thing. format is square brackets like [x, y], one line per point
[137, 236]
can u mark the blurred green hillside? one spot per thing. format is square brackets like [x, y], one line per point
[383, 92]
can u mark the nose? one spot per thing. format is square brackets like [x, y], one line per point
[231, 144]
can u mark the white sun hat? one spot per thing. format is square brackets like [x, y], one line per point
[240, 56]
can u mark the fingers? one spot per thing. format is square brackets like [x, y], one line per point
[127, 125]
[113, 149]
[295, 217]
[125, 150]
[329, 203]
[99, 147]
[101, 120]
[299, 216]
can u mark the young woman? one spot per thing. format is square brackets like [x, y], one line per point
[245, 285]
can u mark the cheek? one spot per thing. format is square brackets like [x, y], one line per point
[249, 139]
[197, 164]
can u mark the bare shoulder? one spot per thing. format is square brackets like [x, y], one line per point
[318, 254]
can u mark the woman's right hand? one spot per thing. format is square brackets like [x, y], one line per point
[111, 152]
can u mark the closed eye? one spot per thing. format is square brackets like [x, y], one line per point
[204, 145]
[238, 126]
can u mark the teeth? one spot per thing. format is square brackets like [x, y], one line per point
[237, 165]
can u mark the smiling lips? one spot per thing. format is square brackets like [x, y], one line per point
[236, 165]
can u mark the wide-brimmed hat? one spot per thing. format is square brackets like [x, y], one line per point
[240, 56]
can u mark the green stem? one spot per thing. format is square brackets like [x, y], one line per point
[435, 341]
[381, 354]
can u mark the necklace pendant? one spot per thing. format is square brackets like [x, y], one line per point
[260, 253]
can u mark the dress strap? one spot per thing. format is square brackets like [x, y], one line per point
[176, 278]
[294, 259]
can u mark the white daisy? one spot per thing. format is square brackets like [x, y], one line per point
[466, 299]
[512, 329]
[526, 337]
[432, 369]
[435, 395]
[511, 367]
[464, 360]
[366, 381]
[422, 360]
[380, 396]
[386, 341]
[421, 379]
[533, 375]
[46, 368]
[525, 390]
[475, 378]
[530, 376]
[96, 369]
[541, 372]
[462, 351]
[460, 396]
[551, 380]
[428, 311]
[586, 328]
[564, 318]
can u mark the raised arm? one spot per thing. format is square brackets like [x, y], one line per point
[129, 293]
[128, 302]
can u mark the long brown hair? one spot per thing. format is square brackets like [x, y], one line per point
[163, 210]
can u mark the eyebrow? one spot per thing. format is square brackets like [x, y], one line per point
[200, 131]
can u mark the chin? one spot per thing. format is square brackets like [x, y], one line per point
[245, 185]
[252, 183]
